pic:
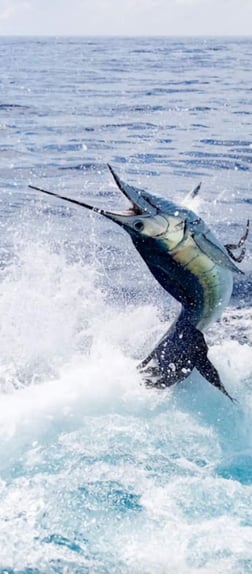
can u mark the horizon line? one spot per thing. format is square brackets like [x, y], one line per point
[113, 35]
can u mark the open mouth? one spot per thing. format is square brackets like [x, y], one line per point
[135, 196]
[140, 204]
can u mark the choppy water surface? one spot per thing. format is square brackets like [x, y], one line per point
[97, 474]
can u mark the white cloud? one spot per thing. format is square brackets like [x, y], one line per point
[6, 13]
[7, 10]
[10, 9]
[125, 17]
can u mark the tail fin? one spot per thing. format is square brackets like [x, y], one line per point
[181, 350]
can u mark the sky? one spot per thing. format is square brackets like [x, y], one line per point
[126, 17]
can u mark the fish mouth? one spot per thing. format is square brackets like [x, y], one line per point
[140, 201]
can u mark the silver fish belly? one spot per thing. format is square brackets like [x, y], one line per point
[215, 280]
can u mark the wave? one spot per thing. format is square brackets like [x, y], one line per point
[99, 474]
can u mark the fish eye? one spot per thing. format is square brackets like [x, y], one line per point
[139, 225]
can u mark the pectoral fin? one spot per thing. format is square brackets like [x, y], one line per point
[230, 247]
[214, 252]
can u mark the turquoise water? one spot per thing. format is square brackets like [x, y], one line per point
[97, 474]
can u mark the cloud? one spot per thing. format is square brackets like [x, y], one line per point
[9, 10]
[125, 17]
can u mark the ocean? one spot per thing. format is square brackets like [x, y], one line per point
[99, 475]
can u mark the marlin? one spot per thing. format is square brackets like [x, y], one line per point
[191, 264]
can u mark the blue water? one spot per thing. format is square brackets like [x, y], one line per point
[97, 474]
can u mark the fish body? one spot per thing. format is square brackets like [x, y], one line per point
[202, 286]
[191, 264]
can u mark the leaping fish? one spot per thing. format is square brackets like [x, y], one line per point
[191, 264]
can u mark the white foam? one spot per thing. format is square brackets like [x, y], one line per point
[79, 433]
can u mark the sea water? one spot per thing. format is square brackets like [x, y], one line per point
[98, 474]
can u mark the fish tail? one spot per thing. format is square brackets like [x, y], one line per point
[181, 350]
